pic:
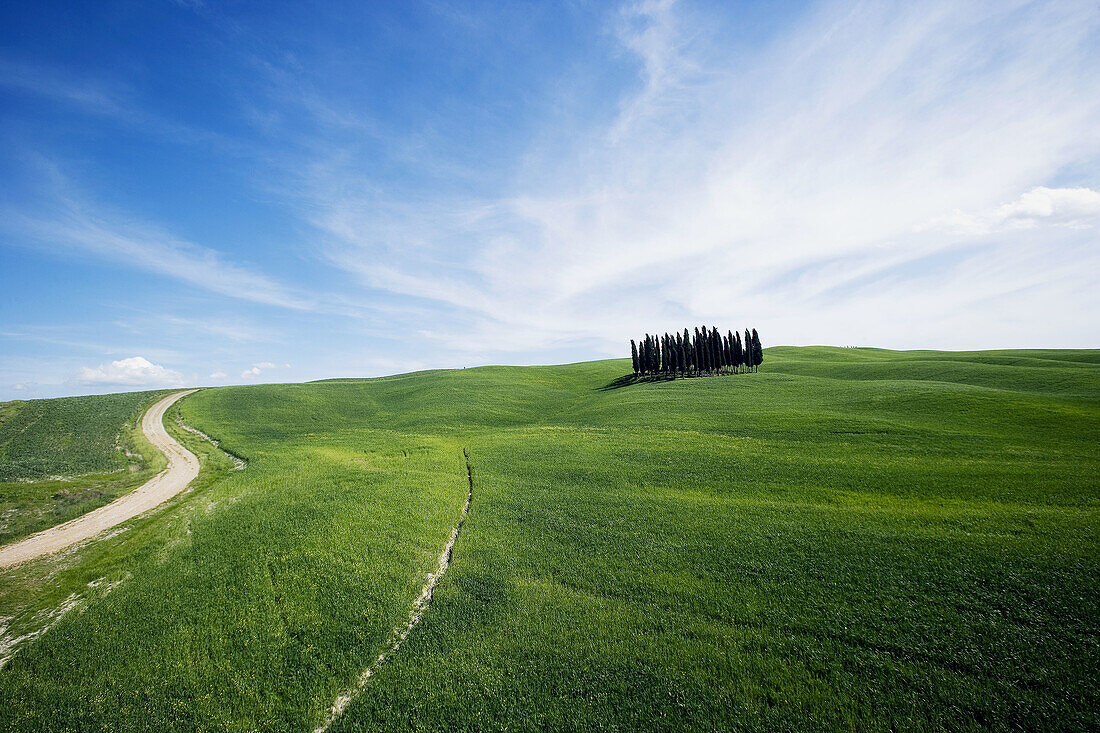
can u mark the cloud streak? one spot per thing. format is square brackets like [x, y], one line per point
[67, 222]
[838, 152]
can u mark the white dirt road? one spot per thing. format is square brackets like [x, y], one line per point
[183, 467]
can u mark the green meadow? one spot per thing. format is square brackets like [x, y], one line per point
[63, 457]
[850, 539]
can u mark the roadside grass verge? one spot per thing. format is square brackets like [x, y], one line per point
[33, 593]
[252, 600]
[63, 457]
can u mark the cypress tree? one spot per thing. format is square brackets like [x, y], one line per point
[757, 350]
[747, 350]
[686, 346]
[634, 356]
[716, 349]
[710, 349]
[697, 351]
[701, 338]
[735, 360]
[708, 353]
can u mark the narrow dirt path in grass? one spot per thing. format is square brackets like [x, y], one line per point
[183, 467]
[420, 605]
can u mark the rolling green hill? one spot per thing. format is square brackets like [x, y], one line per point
[849, 539]
[60, 458]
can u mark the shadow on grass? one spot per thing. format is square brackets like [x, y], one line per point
[628, 379]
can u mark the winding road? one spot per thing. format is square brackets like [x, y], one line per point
[183, 467]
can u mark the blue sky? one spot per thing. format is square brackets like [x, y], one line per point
[214, 193]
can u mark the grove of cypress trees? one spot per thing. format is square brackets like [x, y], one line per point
[708, 352]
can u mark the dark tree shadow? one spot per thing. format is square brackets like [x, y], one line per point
[628, 379]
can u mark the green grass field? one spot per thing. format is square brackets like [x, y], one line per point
[849, 539]
[63, 457]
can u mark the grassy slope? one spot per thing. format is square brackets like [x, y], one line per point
[60, 458]
[850, 538]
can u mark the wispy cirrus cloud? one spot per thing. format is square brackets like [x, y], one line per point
[106, 98]
[150, 248]
[58, 217]
[817, 161]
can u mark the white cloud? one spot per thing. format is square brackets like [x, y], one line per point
[133, 371]
[788, 187]
[261, 366]
[217, 375]
[1072, 207]
[19, 387]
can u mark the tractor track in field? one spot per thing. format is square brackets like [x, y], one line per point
[183, 467]
[419, 607]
